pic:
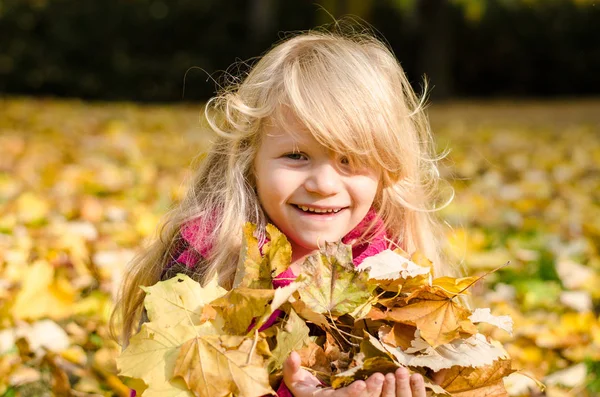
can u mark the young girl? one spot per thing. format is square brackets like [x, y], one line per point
[325, 139]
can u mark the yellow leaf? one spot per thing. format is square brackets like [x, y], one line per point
[180, 300]
[251, 272]
[278, 251]
[42, 296]
[241, 306]
[32, 209]
[151, 355]
[221, 366]
[454, 286]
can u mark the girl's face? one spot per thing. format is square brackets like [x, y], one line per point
[311, 194]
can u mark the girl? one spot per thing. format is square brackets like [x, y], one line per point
[325, 139]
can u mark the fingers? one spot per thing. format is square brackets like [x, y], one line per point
[389, 386]
[408, 385]
[291, 367]
[417, 385]
[375, 385]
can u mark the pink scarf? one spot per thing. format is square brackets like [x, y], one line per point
[195, 234]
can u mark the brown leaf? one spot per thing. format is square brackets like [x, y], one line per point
[368, 367]
[476, 382]
[437, 317]
[400, 335]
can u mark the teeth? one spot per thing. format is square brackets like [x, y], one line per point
[318, 211]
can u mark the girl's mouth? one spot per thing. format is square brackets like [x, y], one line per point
[318, 210]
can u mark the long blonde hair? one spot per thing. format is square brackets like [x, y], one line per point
[353, 96]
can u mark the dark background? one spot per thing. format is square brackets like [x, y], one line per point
[141, 49]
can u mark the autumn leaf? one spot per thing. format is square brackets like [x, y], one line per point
[367, 368]
[223, 365]
[250, 271]
[180, 300]
[151, 356]
[475, 382]
[400, 335]
[393, 271]
[485, 316]
[53, 297]
[330, 284]
[277, 251]
[475, 351]
[454, 286]
[388, 265]
[241, 306]
[256, 270]
[436, 316]
[293, 336]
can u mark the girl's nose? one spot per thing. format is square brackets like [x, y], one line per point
[324, 179]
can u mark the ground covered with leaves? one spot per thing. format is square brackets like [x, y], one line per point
[83, 186]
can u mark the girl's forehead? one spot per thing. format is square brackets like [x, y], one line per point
[289, 133]
[285, 126]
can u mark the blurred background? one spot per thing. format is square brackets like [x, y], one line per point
[141, 49]
[101, 126]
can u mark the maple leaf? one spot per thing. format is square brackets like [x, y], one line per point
[151, 356]
[436, 316]
[251, 272]
[278, 251]
[400, 335]
[330, 283]
[293, 336]
[476, 382]
[180, 299]
[241, 306]
[224, 365]
[255, 270]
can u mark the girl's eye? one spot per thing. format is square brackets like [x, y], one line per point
[295, 156]
[345, 160]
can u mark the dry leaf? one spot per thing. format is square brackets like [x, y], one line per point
[331, 285]
[476, 382]
[221, 365]
[180, 300]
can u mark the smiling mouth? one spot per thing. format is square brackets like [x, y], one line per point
[314, 210]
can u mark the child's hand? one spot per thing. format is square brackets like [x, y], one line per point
[399, 384]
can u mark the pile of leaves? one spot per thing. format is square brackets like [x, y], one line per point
[345, 322]
[83, 186]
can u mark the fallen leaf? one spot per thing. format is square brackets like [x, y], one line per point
[484, 315]
[330, 284]
[476, 382]
[152, 353]
[180, 300]
[293, 336]
[53, 298]
[241, 307]
[432, 312]
[220, 366]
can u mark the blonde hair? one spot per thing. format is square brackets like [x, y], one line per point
[353, 96]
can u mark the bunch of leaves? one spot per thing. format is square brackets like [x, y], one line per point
[78, 196]
[345, 322]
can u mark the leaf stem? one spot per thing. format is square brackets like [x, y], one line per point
[254, 343]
